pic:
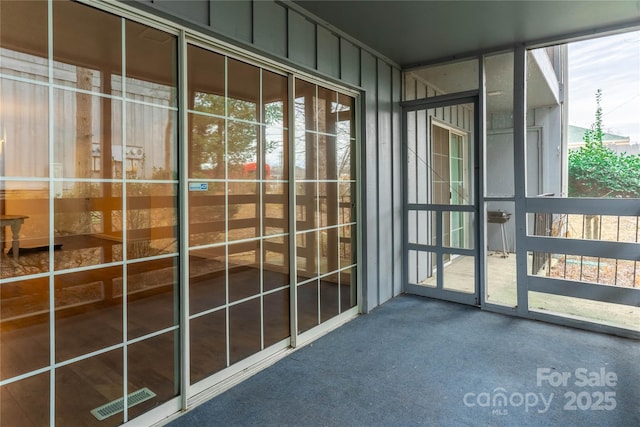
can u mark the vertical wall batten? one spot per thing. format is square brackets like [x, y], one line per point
[385, 182]
[397, 174]
[302, 40]
[370, 198]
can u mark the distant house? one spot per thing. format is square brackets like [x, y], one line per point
[617, 143]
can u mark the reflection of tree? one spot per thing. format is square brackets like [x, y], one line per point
[207, 143]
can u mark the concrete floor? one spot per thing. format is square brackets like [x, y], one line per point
[501, 289]
[418, 361]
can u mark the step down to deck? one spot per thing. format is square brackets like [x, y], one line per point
[105, 411]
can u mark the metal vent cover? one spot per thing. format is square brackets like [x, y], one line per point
[105, 411]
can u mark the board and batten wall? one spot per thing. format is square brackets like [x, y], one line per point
[283, 31]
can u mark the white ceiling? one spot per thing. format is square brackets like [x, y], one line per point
[414, 32]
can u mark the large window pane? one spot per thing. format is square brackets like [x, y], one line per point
[23, 39]
[207, 279]
[208, 345]
[152, 220]
[24, 228]
[87, 48]
[206, 71]
[26, 402]
[88, 311]
[206, 147]
[151, 65]
[24, 132]
[88, 224]
[147, 369]
[151, 291]
[77, 392]
[151, 143]
[244, 90]
[24, 330]
[88, 139]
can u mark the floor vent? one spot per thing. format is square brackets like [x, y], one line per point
[105, 411]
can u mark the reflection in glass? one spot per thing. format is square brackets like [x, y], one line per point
[208, 345]
[346, 203]
[24, 233]
[305, 100]
[345, 160]
[151, 143]
[98, 380]
[328, 198]
[327, 168]
[307, 255]
[276, 317]
[346, 117]
[275, 198]
[206, 147]
[207, 279]
[205, 80]
[88, 311]
[244, 330]
[329, 299]
[151, 287]
[87, 48]
[275, 154]
[275, 263]
[24, 133]
[244, 90]
[242, 150]
[244, 270]
[151, 64]
[207, 215]
[152, 223]
[24, 326]
[306, 155]
[348, 290]
[23, 39]
[34, 398]
[274, 99]
[307, 306]
[327, 111]
[328, 250]
[88, 144]
[88, 224]
[306, 205]
[151, 363]
[347, 246]
[244, 211]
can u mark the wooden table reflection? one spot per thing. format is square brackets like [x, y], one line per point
[15, 222]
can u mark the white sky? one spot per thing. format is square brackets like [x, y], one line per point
[613, 65]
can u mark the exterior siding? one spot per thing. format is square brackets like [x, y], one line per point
[284, 31]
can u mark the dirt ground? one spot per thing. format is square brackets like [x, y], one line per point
[606, 271]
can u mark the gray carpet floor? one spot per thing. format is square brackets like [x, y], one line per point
[418, 361]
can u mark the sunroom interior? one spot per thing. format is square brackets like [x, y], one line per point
[223, 182]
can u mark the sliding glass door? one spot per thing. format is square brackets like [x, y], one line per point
[170, 214]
